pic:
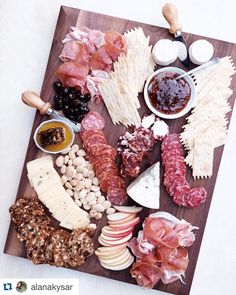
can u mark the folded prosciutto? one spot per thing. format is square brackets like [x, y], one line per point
[160, 250]
[93, 50]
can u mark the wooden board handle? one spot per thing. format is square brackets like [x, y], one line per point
[31, 99]
[170, 13]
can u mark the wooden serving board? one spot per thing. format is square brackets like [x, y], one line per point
[197, 216]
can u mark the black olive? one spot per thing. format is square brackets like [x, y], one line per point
[72, 90]
[71, 117]
[72, 96]
[58, 97]
[66, 90]
[84, 110]
[58, 106]
[71, 112]
[87, 97]
[74, 103]
[77, 111]
[78, 93]
[79, 118]
[57, 86]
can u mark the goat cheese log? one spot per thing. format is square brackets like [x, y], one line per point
[175, 171]
[102, 156]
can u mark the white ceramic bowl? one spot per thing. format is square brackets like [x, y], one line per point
[190, 103]
[54, 152]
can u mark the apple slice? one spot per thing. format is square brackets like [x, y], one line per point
[110, 231]
[128, 209]
[130, 217]
[111, 250]
[114, 242]
[122, 266]
[106, 256]
[128, 224]
[114, 238]
[117, 260]
[117, 234]
[118, 216]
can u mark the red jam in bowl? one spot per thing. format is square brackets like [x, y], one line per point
[167, 95]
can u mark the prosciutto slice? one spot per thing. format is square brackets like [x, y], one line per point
[160, 250]
[72, 74]
[101, 60]
[115, 44]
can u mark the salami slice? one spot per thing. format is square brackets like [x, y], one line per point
[93, 120]
[196, 196]
[174, 175]
[117, 196]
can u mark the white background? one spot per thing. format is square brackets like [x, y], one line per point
[26, 32]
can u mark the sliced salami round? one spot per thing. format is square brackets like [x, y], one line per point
[93, 120]
[117, 196]
[196, 196]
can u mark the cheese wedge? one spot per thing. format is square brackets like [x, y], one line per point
[145, 189]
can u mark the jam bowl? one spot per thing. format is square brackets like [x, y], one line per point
[168, 97]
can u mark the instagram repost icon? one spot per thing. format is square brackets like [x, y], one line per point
[21, 287]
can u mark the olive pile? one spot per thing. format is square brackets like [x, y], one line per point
[71, 101]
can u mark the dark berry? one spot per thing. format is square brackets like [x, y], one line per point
[87, 97]
[58, 106]
[79, 118]
[78, 93]
[84, 110]
[74, 103]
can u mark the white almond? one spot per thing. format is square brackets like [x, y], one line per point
[63, 169]
[98, 193]
[66, 159]
[68, 185]
[91, 196]
[81, 160]
[99, 207]
[70, 192]
[73, 182]
[77, 162]
[76, 195]
[91, 174]
[80, 167]
[106, 204]
[101, 200]
[86, 207]
[83, 193]
[95, 188]
[70, 163]
[72, 155]
[84, 201]
[88, 183]
[81, 152]
[92, 203]
[85, 172]
[63, 179]
[78, 203]
[70, 171]
[75, 148]
[79, 176]
[110, 211]
[59, 161]
[95, 181]
[79, 185]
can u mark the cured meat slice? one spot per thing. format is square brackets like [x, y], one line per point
[117, 196]
[115, 44]
[131, 163]
[102, 156]
[174, 175]
[93, 120]
[101, 60]
[83, 55]
[146, 274]
[196, 196]
[72, 74]
[70, 51]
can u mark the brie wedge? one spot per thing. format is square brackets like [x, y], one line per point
[145, 189]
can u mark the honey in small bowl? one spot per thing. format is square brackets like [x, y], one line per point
[53, 136]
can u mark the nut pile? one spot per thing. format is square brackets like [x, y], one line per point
[79, 180]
